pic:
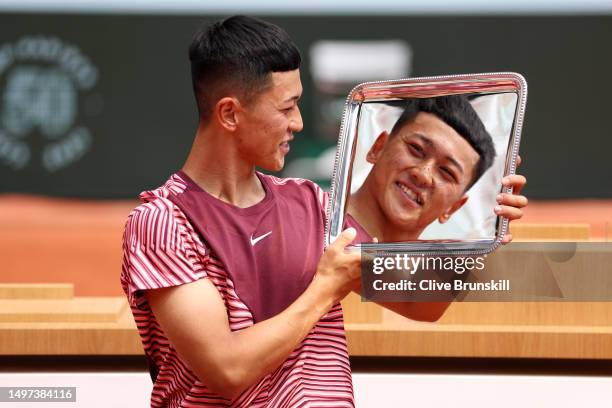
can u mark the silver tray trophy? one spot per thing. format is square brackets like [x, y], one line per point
[419, 163]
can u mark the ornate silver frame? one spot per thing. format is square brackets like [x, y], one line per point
[381, 91]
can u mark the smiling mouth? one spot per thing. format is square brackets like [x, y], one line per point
[412, 195]
[284, 147]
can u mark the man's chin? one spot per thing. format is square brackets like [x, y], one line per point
[405, 218]
[401, 220]
[273, 167]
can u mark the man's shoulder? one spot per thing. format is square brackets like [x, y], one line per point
[156, 206]
[294, 183]
[300, 186]
[174, 185]
[290, 181]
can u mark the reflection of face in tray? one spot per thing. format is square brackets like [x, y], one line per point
[420, 172]
[423, 179]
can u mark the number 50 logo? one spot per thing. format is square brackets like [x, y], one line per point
[43, 79]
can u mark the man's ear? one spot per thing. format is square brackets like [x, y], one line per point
[226, 110]
[376, 149]
[452, 209]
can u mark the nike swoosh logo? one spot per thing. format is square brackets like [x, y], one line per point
[259, 238]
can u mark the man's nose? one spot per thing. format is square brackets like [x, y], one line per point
[422, 175]
[295, 123]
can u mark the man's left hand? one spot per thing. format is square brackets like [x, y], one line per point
[510, 205]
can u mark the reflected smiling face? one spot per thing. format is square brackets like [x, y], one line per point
[420, 173]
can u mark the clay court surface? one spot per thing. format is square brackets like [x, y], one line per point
[55, 240]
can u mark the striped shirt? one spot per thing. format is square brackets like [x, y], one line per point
[161, 248]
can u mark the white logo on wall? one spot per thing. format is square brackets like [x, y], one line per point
[43, 78]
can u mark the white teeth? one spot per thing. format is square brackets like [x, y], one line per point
[410, 193]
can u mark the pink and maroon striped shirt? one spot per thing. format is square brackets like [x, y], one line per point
[165, 246]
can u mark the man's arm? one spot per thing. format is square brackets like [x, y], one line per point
[510, 206]
[194, 318]
[420, 311]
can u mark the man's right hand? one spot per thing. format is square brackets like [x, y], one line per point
[339, 271]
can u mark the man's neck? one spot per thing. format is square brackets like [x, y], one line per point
[215, 165]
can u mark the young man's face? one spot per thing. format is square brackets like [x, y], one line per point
[421, 172]
[269, 120]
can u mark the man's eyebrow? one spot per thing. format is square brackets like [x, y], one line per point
[425, 140]
[432, 145]
[293, 98]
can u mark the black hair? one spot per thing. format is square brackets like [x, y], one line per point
[457, 112]
[237, 54]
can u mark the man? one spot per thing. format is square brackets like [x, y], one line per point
[235, 300]
[421, 172]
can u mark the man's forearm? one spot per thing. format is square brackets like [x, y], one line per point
[261, 348]
[252, 353]
[421, 311]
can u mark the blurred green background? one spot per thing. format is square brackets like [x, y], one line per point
[139, 115]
